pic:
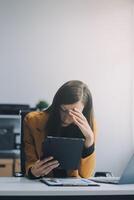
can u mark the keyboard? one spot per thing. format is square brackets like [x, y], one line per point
[101, 179]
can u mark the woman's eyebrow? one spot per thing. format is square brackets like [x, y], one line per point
[65, 109]
[62, 108]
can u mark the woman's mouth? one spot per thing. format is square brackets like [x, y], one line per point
[64, 124]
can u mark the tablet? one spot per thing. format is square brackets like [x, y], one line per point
[67, 151]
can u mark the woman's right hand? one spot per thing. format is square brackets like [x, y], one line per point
[43, 167]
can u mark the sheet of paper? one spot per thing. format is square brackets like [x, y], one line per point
[69, 182]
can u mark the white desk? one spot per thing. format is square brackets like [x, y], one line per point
[19, 188]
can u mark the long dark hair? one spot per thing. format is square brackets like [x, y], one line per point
[69, 93]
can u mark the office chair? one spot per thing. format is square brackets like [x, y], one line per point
[22, 152]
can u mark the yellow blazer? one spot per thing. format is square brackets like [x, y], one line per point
[34, 135]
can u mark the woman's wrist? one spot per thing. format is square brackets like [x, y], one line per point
[31, 175]
[34, 174]
[89, 140]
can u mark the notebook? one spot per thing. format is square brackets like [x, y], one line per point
[68, 182]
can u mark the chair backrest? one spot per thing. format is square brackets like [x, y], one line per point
[22, 152]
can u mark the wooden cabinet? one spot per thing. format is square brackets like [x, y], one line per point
[6, 167]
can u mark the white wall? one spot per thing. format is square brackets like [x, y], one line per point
[133, 70]
[44, 43]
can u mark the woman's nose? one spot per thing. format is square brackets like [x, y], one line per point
[67, 118]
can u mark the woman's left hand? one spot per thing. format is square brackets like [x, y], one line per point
[80, 120]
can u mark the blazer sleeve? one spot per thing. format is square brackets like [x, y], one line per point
[87, 164]
[29, 146]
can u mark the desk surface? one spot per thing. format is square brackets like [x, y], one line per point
[22, 186]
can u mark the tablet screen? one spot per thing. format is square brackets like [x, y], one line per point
[67, 151]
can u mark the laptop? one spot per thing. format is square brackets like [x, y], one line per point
[67, 151]
[127, 176]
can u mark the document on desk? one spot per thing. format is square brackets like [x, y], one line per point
[68, 182]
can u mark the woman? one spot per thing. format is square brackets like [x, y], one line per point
[70, 115]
